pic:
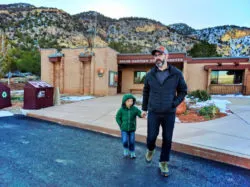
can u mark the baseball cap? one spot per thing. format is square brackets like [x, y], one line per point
[160, 49]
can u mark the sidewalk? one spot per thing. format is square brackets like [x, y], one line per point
[225, 140]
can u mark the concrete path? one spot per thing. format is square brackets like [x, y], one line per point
[226, 139]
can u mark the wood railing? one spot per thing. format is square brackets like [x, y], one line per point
[225, 89]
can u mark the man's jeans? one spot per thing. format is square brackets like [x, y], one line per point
[128, 140]
[167, 121]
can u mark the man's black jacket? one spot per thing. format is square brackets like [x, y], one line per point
[165, 97]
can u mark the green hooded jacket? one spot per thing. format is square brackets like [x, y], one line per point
[126, 117]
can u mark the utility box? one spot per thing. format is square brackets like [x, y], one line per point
[37, 94]
[5, 99]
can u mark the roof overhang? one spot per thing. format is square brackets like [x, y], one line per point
[227, 67]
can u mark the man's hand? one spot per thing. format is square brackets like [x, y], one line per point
[143, 114]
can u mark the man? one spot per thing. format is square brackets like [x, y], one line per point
[164, 89]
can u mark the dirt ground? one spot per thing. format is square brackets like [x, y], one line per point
[192, 116]
[16, 86]
[18, 83]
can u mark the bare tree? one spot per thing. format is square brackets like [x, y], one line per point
[5, 59]
[91, 33]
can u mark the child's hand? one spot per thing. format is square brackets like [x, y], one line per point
[143, 114]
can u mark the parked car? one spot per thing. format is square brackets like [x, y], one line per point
[17, 74]
[7, 75]
[27, 74]
[14, 74]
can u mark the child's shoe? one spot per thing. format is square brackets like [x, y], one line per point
[132, 155]
[125, 152]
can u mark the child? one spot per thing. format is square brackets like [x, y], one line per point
[126, 119]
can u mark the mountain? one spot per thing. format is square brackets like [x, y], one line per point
[231, 40]
[16, 6]
[28, 26]
[143, 32]
[182, 28]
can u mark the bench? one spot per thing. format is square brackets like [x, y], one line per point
[135, 89]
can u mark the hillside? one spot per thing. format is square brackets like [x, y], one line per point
[29, 26]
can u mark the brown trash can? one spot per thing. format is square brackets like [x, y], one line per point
[37, 94]
[5, 99]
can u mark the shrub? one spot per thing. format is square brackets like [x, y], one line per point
[17, 98]
[204, 49]
[209, 111]
[125, 48]
[201, 95]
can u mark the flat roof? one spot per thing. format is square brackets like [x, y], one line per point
[135, 54]
[227, 67]
[231, 57]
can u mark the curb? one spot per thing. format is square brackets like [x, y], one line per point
[178, 147]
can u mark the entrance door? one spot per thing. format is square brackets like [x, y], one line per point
[119, 84]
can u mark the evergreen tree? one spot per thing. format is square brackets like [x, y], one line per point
[125, 48]
[203, 49]
[5, 58]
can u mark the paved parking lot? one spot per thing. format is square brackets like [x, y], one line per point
[40, 153]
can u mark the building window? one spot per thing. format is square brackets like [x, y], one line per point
[139, 77]
[226, 77]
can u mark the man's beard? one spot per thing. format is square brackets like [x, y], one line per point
[160, 63]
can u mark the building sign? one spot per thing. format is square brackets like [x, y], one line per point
[175, 60]
[147, 61]
[113, 78]
[136, 61]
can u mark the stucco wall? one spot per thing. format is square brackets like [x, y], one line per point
[197, 77]
[128, 77]
[74, 76]
[104, 58]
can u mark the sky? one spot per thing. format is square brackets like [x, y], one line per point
[198, 14]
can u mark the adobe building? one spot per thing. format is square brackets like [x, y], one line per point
[132, 69]
[216, 75]
[106, 72]
[77, 71]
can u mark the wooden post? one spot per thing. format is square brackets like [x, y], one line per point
[245, 84]
[93, 75]
[83, 78]
[61, 75]
[208, 79]
[54, 74]
[184, 70]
